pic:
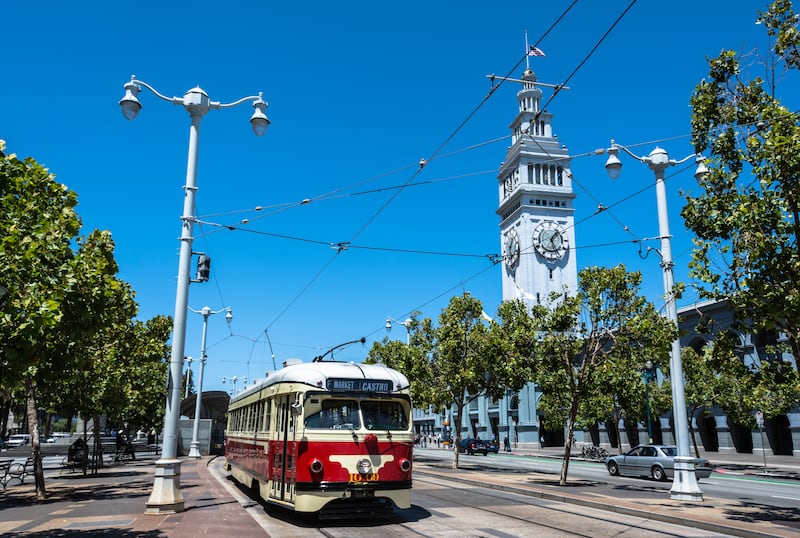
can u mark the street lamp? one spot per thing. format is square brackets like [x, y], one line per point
[648, 375]
[166, 496]
[406, 324]
[188, 361]
[194, 448]
[684, 486]
[233, 380]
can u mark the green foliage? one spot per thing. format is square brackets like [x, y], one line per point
[746, 218]
[70, 342]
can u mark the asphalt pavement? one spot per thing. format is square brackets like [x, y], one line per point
[112, 501]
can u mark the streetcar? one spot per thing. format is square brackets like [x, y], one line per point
[332, 438]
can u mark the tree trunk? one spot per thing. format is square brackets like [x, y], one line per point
[98, 444]
[457, 428]
[33, 430]
[573, 414]
[691, 431]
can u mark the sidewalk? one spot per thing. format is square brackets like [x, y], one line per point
[112, 502]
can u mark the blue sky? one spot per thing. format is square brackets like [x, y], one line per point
[359, 92]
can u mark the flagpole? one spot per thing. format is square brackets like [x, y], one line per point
[527, 53]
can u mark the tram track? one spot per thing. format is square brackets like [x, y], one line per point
[592, 519]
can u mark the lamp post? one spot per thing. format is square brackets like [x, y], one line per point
[194, 448]
[188, 361]
[684, 486]
[406, 324]
[648, 375]
[166, 496]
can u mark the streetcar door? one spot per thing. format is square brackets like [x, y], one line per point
[284, 457]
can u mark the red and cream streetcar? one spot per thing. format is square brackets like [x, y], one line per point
[328, 437]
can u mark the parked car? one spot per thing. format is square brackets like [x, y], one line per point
[59, 437]
[655, 461]
[472, 447]
[18, 439]
[492, 446]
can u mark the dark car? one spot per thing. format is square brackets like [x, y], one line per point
[492, 446]
[655, 461]
[472, 447]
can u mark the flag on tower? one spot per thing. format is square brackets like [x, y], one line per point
[535, 51]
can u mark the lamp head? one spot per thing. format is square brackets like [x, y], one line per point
[613, 164]
[259, 120]
[701, 170]
[130, 103]
[228, 315]
[388, 325]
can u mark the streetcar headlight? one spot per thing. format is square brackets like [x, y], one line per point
[316, 466]
[364, 466]
[405, 465]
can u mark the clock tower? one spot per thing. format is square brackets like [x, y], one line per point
[537, 224]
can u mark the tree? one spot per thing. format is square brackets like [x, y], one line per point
[453, 363]
[747, 220]
[701, 385]
[36, 265]
[65, 308]
[591, 349]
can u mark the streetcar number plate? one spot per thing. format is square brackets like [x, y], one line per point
[358, 477]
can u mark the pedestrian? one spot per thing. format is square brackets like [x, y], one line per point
[541, 441]
[506, 444]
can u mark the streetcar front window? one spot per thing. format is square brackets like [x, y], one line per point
[335, 415]
[384, 416]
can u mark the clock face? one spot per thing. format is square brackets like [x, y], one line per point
[550, 241]
[511, 253]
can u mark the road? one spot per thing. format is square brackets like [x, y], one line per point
[444, 508]
[754, 489]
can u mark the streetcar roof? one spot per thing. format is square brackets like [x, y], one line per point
[317, 374]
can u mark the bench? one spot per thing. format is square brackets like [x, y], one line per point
[5, 467]
[20, 470]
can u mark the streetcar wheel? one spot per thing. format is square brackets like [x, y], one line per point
[658, 473]
[613, 469]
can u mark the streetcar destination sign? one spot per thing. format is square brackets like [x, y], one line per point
[359, 385]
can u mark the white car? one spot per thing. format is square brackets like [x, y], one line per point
[18, 439]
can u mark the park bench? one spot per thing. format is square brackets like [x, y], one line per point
[21, 470]
[77, 456]
[5, 467]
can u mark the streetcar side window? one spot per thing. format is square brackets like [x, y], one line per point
[384, 416]
[335, 415]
